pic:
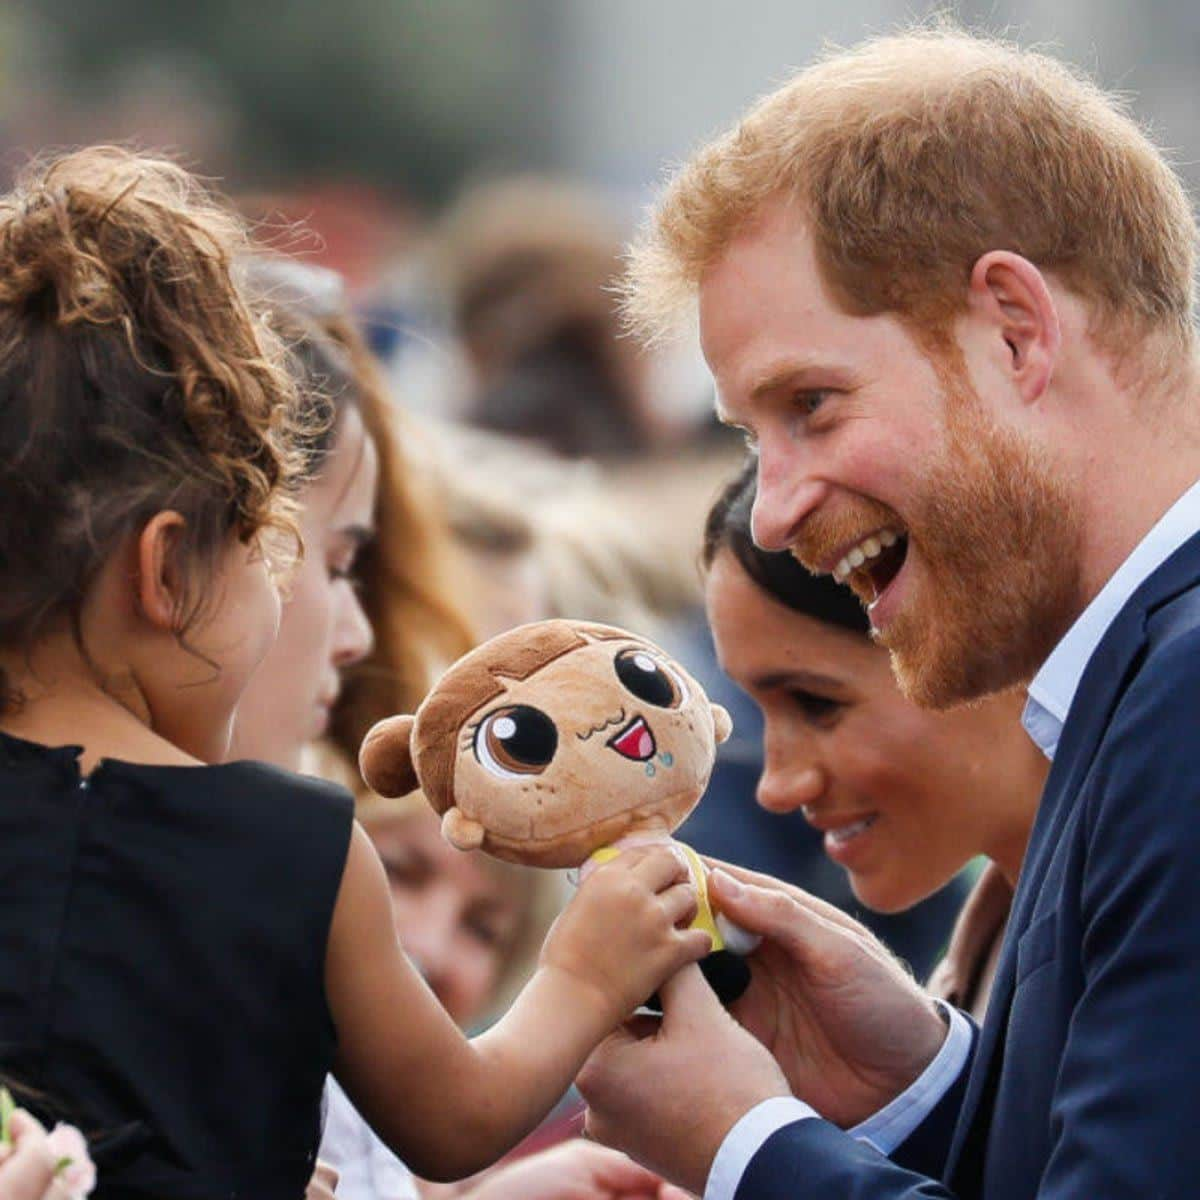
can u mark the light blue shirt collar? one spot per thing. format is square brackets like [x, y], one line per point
[1053, 688]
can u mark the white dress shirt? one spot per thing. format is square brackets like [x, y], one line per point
[1050, 696]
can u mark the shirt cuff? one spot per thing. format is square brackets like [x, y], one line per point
[893, 1123]
[745, 1140]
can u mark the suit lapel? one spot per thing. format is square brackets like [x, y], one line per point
[1104, 681]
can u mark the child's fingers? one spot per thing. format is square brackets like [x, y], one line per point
[657, 867]
[679, 903]
[694, 944]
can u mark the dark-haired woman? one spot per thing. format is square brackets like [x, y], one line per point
[904, 796]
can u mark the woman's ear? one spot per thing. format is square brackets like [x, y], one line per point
[722, 724]
[461, 832]
[159, 582]
[385, 757]
[1012, 296]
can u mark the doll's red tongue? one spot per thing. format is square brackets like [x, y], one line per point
[634, 741]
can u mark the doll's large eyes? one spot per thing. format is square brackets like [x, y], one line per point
[650, 680]
[514, 741]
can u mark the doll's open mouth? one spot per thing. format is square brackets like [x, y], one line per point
[634, 741]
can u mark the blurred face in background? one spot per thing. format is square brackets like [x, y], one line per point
[459, 916]
[905, 796]
[323, 629]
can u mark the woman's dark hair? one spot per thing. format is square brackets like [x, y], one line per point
[776, 572]
[135, 377]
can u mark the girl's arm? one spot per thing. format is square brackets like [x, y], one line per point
[448, 1106]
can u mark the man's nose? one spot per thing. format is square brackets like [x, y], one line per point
[786, 494]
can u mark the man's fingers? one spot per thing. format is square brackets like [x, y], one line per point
[803, 899]
[773, 914]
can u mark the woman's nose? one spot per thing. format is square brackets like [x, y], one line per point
[784, 791]
[353, 636]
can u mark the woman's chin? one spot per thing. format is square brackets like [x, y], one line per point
[884, 895]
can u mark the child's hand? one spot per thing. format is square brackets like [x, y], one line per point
[621, 935]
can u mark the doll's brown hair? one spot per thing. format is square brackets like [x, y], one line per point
[134, 377]
[476, 680]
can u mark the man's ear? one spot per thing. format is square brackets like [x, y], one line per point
[1012, 294]
[159, 582]
[385, 757]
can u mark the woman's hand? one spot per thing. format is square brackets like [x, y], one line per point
[575, 1170]
[846, 1022]
[621, 935]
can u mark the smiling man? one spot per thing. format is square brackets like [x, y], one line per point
[946, 288]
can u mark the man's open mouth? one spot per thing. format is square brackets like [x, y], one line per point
[872, 563]
[635, 741]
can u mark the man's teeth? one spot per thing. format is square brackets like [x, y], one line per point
[868, 548]
[839, 837]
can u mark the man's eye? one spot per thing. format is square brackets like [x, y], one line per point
[810, 401]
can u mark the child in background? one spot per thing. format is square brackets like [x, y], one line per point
[182, 966]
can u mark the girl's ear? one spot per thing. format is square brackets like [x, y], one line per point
[461, 832]
[385, 757]
[722, 724]
[159, 584]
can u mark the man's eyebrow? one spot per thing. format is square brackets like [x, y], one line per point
[778, 374]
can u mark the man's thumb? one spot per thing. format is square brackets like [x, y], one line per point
[772, 914]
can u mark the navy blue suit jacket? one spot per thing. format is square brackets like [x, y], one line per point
[1085, 1079]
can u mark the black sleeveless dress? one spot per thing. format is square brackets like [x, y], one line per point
[162, 951]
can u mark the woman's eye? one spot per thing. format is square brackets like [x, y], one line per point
[811, 401]
[650, 680]
[818, 709]
[516, 740]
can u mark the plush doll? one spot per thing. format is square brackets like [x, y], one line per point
[558, 744]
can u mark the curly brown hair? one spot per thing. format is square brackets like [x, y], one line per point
[134, 377]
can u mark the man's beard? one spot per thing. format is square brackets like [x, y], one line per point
[998, 542]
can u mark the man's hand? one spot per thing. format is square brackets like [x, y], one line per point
[847, 1024]
[669, 1098]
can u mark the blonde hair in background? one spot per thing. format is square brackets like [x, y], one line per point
[912, 155]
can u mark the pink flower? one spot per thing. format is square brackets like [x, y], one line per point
[77, 1176]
